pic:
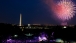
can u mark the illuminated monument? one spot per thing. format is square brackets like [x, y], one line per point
[20, 22]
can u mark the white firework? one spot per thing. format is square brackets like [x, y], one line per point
[65, 10]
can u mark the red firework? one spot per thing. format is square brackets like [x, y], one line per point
[64, 10]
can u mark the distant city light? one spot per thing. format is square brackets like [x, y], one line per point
[64, 27]
[28, 25]
[15, 35]
[29, 34]
[59, 40]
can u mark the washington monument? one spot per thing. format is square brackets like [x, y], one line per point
[20, 22]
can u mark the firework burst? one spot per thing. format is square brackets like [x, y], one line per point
[65, 10]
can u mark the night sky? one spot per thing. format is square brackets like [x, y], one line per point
[33, 12]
